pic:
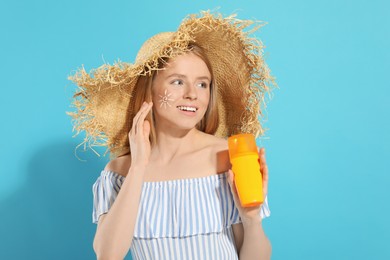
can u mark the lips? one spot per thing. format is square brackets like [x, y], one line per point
[187, 108]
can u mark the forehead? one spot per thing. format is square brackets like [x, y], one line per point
[187, 64]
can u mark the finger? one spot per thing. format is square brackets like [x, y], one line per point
[230, 178]
[141, 119]
[136, 117]
[139, 113]
[264, 173]
[233, 188]
[263, 164]
[263, 170]
[265, 186]
[146, 129]
[262, 160]
[265, 180]
[232, 182]
[262, 155]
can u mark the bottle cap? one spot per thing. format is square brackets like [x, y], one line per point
[242, 144]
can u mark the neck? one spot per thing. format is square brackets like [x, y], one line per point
[172, 144]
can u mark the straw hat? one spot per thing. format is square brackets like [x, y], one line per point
[241, 76]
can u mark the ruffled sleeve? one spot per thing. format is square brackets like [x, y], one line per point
[188, 207]
[105, 191]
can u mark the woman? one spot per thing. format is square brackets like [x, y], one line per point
[170, 193]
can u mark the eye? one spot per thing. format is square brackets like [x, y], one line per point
[203, 85]
[177, 82]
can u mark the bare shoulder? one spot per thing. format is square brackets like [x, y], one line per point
[120, 165]
[219, 149]
[214, 142]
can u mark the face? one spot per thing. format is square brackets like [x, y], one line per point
[181, 92]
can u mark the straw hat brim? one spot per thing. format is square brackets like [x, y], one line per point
[104, 95]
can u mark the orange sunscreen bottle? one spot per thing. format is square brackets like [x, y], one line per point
[247, 176]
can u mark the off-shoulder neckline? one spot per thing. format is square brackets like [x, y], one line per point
[175, 181]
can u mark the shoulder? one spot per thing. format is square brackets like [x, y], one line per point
[120, 165]
[218, 148]
[214, 141]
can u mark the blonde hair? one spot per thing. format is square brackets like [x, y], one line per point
[143, 92]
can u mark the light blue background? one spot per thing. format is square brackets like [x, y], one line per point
[328, 139]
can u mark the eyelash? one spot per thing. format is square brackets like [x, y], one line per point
[204, 85]
[180, 82]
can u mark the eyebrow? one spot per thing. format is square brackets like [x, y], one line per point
[176, 75]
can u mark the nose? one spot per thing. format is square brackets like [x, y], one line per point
[190, 93]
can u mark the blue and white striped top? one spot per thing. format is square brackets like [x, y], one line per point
[178, 219]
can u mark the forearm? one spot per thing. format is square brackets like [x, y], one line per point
[255, 244]
[114, 233]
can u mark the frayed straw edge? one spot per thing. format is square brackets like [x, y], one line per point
[253, 49]
[261, 82]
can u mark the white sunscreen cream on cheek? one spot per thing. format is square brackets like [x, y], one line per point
[165, 99]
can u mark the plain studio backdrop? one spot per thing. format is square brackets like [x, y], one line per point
[328, 122]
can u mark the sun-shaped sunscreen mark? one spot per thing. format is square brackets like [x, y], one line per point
[164, 100]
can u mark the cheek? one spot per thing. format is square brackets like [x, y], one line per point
[164, 98]
[206, 97]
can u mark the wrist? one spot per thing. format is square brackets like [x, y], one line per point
[251, 222]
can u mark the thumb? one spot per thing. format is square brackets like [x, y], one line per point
[231, 178]
[232, 185]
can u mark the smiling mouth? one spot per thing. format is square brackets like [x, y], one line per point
[188, 109]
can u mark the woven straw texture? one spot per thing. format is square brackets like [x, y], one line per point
[103, 100]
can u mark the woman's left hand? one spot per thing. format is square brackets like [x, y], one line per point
[251, 213]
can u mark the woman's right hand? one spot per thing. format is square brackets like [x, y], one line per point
[139, 137]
